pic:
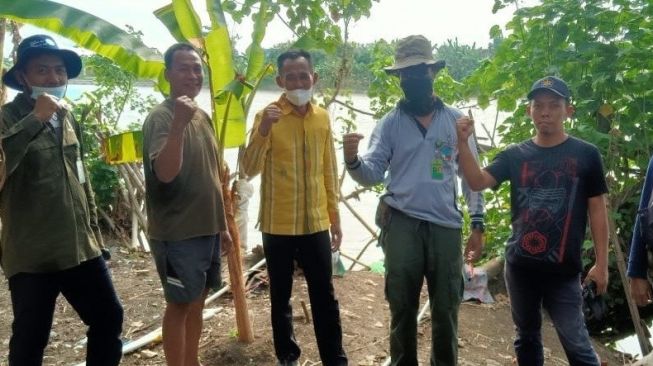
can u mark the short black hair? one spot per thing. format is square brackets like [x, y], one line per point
[293, 55]
[170, 52]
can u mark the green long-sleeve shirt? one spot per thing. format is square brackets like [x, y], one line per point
[45, 213]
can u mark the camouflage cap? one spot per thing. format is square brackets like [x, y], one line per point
[411, 51]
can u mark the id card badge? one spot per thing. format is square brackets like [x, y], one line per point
[80, 172]
[436, 169]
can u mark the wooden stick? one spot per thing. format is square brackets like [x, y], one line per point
[360, 254]
[307, 317]
[136, 168]
[135, 179]
[644, 343]
[132, 198]
[355, 260]
[362, 221]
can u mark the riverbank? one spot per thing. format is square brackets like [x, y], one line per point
[485, 331]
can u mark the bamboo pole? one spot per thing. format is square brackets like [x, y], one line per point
[355, 261]
[137, 182]
[138, 173]
[245, 333]
[644, 343]
[360, 254]
[156, 335]
[358, 216]
[135, 206]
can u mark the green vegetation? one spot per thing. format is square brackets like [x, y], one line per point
[601, 47]
[99, 112]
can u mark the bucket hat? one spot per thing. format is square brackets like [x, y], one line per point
[411, 51]
[36, 45]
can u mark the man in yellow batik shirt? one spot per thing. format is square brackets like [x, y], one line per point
[291, 145]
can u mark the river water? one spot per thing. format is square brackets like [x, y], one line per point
[355, 233]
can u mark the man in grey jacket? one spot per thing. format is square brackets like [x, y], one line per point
[421, 235]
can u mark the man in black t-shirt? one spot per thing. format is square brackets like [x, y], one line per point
[556, 184]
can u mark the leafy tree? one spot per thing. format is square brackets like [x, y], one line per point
[99, 112]
[461, 59]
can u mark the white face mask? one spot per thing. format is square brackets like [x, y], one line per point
[299, 97]
[57, 91]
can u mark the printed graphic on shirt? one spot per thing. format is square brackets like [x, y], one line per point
[444, 152]
[545, 198]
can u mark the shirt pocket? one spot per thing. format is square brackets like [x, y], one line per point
[72, 159]
[43, 161]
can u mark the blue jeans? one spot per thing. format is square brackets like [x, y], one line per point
[88, 288]
[561, 296]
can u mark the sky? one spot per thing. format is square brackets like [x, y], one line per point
[439, 20]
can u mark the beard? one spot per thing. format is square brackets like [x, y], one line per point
[418, 96]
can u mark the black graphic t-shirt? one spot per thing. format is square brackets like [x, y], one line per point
[549, 192]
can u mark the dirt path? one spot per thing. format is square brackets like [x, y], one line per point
[485, 331]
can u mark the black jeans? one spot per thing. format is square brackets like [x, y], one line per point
[561, 296]
[313, 251]
[88, 288]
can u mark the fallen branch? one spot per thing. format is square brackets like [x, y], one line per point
[307, 317]
[355, 260]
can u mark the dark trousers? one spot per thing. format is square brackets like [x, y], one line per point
[88, 288]
[313, 252]
[561, 296]
[416, 249]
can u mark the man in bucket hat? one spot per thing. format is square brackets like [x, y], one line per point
[421, 225]
[557, 186]
[48, 246]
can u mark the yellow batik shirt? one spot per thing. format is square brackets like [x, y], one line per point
[299, 175]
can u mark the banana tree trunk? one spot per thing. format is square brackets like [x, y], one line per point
[243, 323]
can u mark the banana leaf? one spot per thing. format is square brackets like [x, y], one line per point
[222, 73]
[255, 54]
[220, 61]
[167, 16]
[90, 32]
[188, 22]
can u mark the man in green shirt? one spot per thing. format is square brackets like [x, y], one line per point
[48, 246]
[185, 211]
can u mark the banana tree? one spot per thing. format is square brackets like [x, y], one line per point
[104, 38]
[229, 91]
[314, 24]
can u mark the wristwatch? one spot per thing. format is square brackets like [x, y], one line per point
[353, 164]
[478, 225]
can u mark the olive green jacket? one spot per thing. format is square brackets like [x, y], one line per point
[46, 201]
